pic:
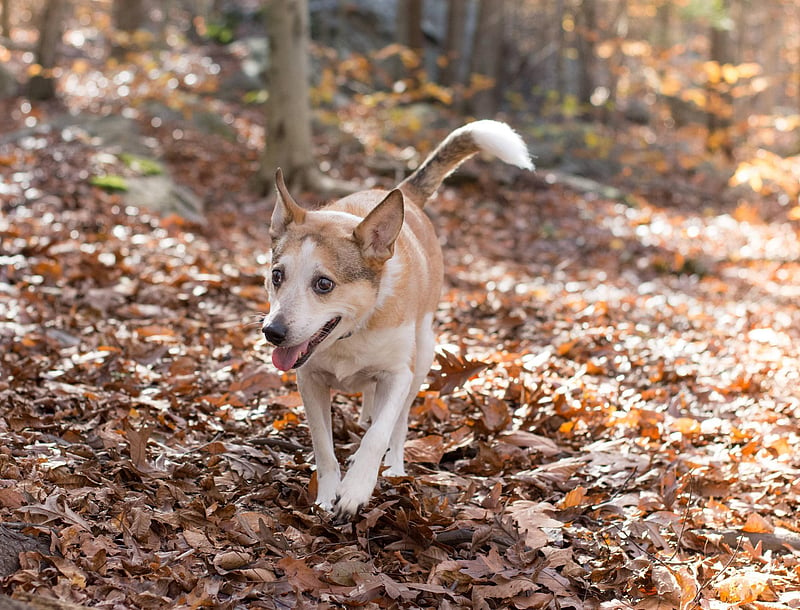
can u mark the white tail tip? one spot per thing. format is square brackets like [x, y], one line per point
[500, 140]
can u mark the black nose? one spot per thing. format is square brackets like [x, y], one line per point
[276, 332]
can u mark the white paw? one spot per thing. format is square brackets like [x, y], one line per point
[353, 494]
[326, 492]
[395, 471]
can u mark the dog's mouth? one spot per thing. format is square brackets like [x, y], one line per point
[285, 358]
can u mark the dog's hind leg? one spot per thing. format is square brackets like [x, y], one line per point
[367, 405]
[426, 341]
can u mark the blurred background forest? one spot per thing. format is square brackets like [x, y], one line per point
[688, 100]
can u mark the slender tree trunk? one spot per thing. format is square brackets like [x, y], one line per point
[561, 51]
[454, 41]
[487, 56]
[288, 108]
[409, 34]
[42, 86]
[5, 18]
[615, 62]
[719, 113]
[587, 58]
[409, 24]
[127, 16]
[797, 68]
[664, 25]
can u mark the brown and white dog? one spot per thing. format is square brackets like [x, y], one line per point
[353, 290]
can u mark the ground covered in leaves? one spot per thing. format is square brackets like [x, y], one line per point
[611, 422]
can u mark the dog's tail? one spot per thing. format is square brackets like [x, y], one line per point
[481, 136]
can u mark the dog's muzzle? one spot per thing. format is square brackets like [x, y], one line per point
[276, 332]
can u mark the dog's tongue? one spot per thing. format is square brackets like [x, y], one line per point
[284, 358]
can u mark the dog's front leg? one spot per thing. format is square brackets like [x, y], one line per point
[317, 402]
[356, 488]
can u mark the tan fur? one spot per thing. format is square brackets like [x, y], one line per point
[353, 290]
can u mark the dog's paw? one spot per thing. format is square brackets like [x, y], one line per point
[395, 471]
[326, 493]
[353, 495]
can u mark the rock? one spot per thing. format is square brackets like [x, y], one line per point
[163, 195]
[9, 87]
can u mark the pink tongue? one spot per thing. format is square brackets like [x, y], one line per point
[284, 357]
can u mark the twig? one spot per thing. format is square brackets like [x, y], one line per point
[279, 443]
[700, 589]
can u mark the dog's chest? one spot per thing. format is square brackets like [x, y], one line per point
[351, 362]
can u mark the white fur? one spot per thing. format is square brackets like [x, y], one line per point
[296, 304]
[499, 140]
[383, 346]
[356, 359]
[391, 273]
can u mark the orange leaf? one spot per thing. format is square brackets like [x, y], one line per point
[282, 422]
[757, 524]
[574, 497]
[428, 449]
[743, 588]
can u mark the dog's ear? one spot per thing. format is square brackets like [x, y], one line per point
[377, 233]
[286, 209]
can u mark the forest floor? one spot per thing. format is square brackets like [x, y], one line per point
[611, 422]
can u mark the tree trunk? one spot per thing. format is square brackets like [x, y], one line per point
[5, 18]
[797, 67]
[586, 26]
[454, 41]
[561, 51]
[127, 16]
[42, 86]
[409, 34]
[487, 56]
[663, 34]
[409, 24]
[288, 108]
[719, 113]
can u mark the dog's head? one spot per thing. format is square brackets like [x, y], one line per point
[325, 273]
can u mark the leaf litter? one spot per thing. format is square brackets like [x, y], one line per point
[610, 422]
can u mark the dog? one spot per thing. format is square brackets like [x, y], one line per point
[353, 288]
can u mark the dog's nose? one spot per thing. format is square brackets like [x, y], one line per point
[276, 332]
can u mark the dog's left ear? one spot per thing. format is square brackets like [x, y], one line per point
[286, 209]
[377, 233]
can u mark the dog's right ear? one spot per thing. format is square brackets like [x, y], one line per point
[286, 209]
[377, 233]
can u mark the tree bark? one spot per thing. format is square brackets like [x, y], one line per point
[587, 57]
[288, 108]
[454, 42]
[409, 34]
[719, 115]
[5, 18]
[561, 51]
[42, 86]
[127, 16]
[487, 52]
[409, 24]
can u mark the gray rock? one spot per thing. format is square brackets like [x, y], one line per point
[161, 194]
[9, 87]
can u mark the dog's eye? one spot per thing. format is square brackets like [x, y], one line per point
[277, 277]
[323, 285]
